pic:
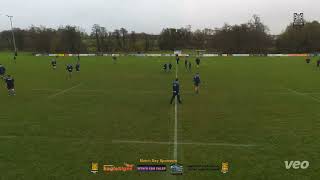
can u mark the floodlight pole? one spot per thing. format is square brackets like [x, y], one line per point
[13, 38]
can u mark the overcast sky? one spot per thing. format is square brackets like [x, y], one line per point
[152, 15]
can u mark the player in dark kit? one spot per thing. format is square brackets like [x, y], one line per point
[189, 66]
[318, 63]
[78, 63]
[175, 91]
[78, 66]
[54, 63]
[69, 69]
[308, 60]
[165, 67]
[198, 62]
[170, 66]
[10, 85]
[177, 58]
[196, 81]
[2, 71]
[114, 59]
[186, 63]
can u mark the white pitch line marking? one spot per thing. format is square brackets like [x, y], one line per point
[64, 91]
[8, 137]
[175, 152]
[182, 143]
[175, 137]
[110, 91]
[47, 89]
[303, 94]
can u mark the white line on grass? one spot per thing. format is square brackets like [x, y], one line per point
[182, 143]
[111, 91]
[303, 94]
[175, 146]
[64, 91]
[8, 137]
[175, 152]
[47, 89]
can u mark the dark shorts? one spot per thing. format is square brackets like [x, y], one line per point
[197, 84]
[70, 71]
[10, 87]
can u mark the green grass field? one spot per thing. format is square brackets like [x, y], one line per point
[253, 112]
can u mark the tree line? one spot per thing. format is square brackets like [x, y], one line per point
[250, 37]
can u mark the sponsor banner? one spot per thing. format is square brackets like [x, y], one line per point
[210, 55]
[112, 168]
[258, 55]
[94, 167]
[298, 55]
[203, 168]
[277, 55]
[135, 54]
[60, 55]
[83, 54]
[151, 168]
[179, 52]
[243, 55]
[181, 55]
[41, 55]
[176, 169]
[153, 55]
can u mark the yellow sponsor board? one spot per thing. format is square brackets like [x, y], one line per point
[94, 167]
[225, 167]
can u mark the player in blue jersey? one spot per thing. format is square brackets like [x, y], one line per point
[69, 69]
[196, 82]
[2, 71]
[175, 91]
[10, 85]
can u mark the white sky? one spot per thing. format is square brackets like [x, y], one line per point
[152, 15]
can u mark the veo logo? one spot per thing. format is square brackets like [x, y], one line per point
[296, 164]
